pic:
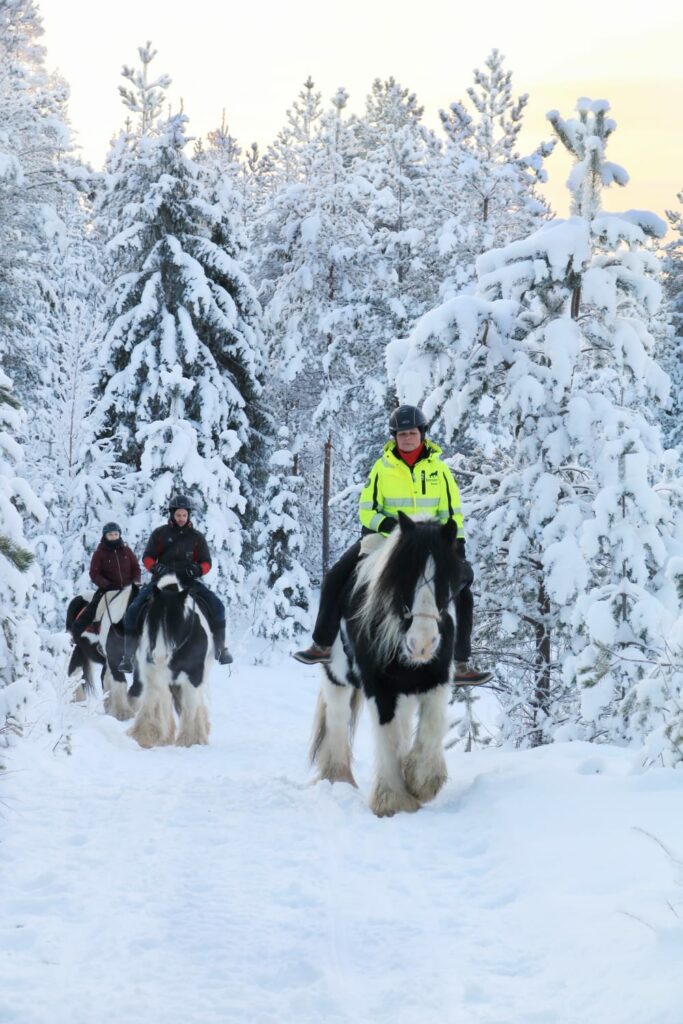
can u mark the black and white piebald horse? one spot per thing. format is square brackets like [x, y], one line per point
[173, 661]
[396, 646]
[102, 649]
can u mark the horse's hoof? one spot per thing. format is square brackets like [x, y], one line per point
[424, 784]
[387, 802]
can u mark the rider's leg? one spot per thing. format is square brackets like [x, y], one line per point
[464, 614]
[330, 609]
[217, 621]
[130, 626]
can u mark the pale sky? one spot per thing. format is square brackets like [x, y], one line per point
[251, 58]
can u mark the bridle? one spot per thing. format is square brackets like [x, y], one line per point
[409, 614]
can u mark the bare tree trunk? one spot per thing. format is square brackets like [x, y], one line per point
[542, 633]
[327, 486]
[576, 302]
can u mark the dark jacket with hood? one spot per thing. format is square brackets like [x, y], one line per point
[113, 565]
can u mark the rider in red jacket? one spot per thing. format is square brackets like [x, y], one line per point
[113, 566]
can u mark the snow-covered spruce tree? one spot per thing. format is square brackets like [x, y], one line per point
[312, 237]
[621, 619]
[485, 192]
[282, 588]
[19, 641]
[183, 337]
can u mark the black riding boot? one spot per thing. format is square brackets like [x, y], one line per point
[221, 652]
[130, 643]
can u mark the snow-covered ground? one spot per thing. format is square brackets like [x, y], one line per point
[216, 886]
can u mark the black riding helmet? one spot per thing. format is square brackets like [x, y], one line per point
[406, 417]
[179, 501]
[111, 528]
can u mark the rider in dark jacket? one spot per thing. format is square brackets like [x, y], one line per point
[113, 566]
[177, 547]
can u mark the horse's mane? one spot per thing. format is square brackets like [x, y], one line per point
[387, 577]
[167, 609]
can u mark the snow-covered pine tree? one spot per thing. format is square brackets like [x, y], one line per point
[397, 158]
[553, 384]
[672, 354]
[182, 340]
[312, 239]
[62, 460]
[509, 352]
[19, 641]
[287, 159]
[33, 136]
[486, 192]
[282, 588]
[621, 619]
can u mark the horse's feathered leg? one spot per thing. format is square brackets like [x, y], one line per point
[389, 794]
[424, 768]
[193, 726]
[333, 725]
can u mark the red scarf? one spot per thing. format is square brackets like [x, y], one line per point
[410, 458]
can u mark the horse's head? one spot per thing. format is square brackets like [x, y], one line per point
[169, 583]
[410, 585]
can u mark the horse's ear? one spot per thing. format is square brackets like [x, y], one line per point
[405, 522]
[449, 531]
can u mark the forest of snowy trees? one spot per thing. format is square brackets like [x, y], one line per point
[238, 324]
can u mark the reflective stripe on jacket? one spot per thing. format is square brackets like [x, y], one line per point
[393, 487]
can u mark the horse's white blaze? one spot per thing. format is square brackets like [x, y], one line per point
[422, 638]
[390, 794]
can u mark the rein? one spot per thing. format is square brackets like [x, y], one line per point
[106, 605]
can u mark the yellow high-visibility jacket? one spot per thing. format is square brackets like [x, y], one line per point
[393, 487]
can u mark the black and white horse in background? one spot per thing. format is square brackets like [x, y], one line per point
[396, 645]
[173, 661]
[102, 649]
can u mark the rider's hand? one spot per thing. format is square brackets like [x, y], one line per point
[193, 571]
[158, 570]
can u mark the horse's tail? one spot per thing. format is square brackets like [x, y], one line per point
[319, 728]
[75, 606]
[79, 661]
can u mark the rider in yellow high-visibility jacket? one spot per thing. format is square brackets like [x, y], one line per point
[408, 477]
[393, 487]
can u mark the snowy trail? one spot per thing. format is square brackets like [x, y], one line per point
[215, 885]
